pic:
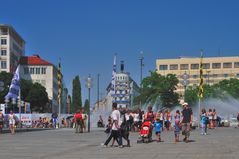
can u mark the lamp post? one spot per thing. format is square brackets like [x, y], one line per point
[208, 72]
[185, 82]
[89, 85]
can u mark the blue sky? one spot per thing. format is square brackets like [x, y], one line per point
[87, 33]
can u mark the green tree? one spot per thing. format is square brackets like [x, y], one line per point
[25, 88]
[218, 90]
[156, 87]
[76, 94]
[38, 98]
[6, 78]
[86, 106]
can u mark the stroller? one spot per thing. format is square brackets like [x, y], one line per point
[145, 133]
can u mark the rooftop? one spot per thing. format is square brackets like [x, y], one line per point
[33, 60]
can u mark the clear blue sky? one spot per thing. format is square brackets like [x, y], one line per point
[86, 34]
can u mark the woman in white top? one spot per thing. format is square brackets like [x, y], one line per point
[12, 122]
[136, 120]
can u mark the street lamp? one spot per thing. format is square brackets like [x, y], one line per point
[89, 86]
[185, 81]
[208, 77]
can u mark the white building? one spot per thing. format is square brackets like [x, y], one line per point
[35, 69]
[125, 90]
[12, 47]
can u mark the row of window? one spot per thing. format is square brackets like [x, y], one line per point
[211, 75]
[34, 70]
[121, 78]
[196, 66]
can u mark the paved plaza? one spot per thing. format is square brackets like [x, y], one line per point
[221, 143]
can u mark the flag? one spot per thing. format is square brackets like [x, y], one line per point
[200, 90]
[113, 77]
[59, 80]
[15, 85]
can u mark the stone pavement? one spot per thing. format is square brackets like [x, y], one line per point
[221, 143]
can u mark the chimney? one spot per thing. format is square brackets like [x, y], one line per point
[122, 66]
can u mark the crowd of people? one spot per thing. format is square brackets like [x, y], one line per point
[122, 121]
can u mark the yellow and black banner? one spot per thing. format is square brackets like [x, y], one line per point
[59, 80]
[200, 90]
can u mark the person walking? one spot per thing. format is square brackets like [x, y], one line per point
[78, 122]
[203, 122]
[186, 121]
[1, 121]
[115, 115]
[158, 126]
[12, 122]
[177, 117]
[54, 119]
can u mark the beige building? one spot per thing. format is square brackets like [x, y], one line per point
[187, 69]
[12, 47]
[35, 69]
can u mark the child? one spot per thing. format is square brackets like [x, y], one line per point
[177, 126]
[158, 127]
[204, 122]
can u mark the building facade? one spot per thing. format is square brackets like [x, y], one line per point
[124, 91]
[215, 69]
[12, 47]
[35, 69]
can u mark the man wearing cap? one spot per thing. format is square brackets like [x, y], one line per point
[1, 121]
[186, 121]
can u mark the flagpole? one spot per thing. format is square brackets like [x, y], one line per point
[20, 110]
[199, 108]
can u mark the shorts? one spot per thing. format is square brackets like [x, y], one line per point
[157, 132]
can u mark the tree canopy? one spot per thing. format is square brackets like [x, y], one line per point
[76, 94]
[220, 90]
[156, 87]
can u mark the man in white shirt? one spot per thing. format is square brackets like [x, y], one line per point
[115, 115]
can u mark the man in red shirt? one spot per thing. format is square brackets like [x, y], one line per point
[78, 122]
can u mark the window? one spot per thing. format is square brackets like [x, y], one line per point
[206, 65]
[43, 70]
[216, 65]
[32, 71]
[4, 41]
[3, 52]
[3, 64]
[194, 66]
[173, 67]
[38, 70]
[236, 64]
[184, 67]
[227, 65]
[163, 67]
[215, 75]
[226, 75]
[195, 76]
[237, 74]
[26, 70]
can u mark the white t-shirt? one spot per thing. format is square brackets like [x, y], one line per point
[136, 117]
[11, 119]
[115, 116]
